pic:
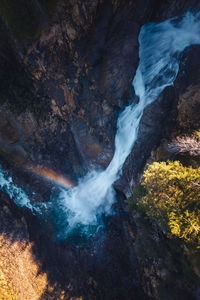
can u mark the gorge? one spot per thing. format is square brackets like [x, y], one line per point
[90, 134]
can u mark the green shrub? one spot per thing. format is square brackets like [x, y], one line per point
[171, 199]
[197, 134]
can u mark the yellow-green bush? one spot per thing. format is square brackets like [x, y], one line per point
[197, 134]
[172, 199]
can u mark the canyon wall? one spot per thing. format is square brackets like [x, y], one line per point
[66, 72]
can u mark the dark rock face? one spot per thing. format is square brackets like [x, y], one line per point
[98, 269]
[176, 108]
[168, 9]
[179, 116]
[176, 105]
[81, 63]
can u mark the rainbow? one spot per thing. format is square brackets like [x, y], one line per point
[51, 175]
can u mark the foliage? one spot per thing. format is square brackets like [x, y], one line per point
[197, 134]
[138, 192]
[172, 199]
[186, 144]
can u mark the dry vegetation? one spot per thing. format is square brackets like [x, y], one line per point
[185, 144]
[19, 278]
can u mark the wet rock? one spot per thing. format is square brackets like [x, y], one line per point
[176, 109]
[11, 139]
[84, 61]
[81, 64]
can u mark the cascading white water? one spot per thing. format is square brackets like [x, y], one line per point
[159, 52]
[17, 194]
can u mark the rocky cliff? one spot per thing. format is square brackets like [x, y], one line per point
[66, 72]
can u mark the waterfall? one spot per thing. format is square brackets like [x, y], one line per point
[17, 194]
[160, 46]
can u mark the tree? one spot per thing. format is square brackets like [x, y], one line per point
[172, 199]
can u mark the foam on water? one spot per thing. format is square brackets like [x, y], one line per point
[17, 194]
[159, 52]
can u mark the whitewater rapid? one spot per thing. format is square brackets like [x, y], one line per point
[160, 46]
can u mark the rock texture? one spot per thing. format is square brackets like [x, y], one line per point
[162, 261]
[19, 273]
[66, 72]
[81, 65]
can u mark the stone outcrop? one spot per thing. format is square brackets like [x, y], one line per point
[63, 83]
